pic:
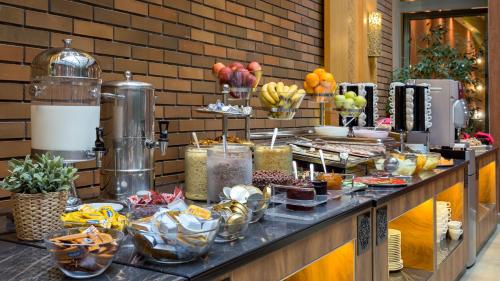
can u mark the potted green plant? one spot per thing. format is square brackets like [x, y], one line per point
[40, 190]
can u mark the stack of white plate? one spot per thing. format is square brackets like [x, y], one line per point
[394, 250]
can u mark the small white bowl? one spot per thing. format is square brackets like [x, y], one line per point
[332, 131]
[455, 225]
[361, 132]
[455, 233]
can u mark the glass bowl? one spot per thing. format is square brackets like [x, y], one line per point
[431, 162]
[407, 164]
[241, 82]
[321, 97]
[285, 107]
[379, 162]
[80, 260]
[257, 206]
[171, 247]
[234, 225]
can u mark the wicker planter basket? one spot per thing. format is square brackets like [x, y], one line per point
[36, 215]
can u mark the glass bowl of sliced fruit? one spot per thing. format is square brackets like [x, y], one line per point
[281, 101]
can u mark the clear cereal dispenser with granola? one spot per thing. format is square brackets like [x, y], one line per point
[227, 166]
[195, 167]
[273, 158]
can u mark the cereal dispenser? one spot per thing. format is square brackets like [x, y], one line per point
[127, 118]
[65, 88]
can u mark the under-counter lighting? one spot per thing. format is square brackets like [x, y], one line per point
[374, 34]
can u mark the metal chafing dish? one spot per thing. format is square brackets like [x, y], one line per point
[306, 145]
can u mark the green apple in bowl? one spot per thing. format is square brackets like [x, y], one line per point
[350, 95]
[348, 103]
[360, 101]
[338, 100]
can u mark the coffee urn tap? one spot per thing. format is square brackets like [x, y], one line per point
[163, 139]
[127, 118]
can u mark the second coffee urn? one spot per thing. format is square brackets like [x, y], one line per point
[128, 138]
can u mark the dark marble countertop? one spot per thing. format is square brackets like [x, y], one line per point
[262, 238]
[20, 262]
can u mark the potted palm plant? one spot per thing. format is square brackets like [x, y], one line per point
[40, 190]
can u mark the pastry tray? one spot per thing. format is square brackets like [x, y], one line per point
[281, 199]
[232, 114]
[280, 212]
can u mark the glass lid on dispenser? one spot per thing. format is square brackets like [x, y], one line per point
[65, 62]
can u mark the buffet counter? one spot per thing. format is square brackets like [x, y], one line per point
[267, 243]
[486, 167]
[349, 241]
[413, 213]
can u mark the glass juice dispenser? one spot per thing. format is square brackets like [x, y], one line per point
[65, 104]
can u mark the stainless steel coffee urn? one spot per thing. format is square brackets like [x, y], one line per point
[128, 138]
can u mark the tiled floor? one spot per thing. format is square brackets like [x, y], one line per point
[487, 267]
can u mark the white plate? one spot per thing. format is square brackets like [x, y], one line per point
[332, 131]
[117, 207]
[393, 231]
[396, 267]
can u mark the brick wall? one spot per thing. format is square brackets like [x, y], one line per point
[384, 62]
[169, 43]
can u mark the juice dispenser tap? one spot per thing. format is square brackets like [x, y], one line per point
[99, 147]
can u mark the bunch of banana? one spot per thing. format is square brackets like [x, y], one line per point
[274, 95]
